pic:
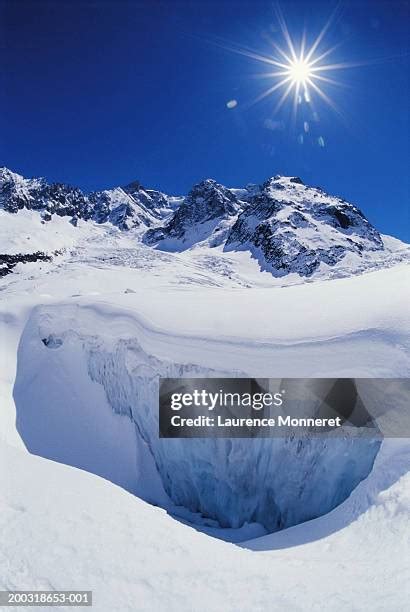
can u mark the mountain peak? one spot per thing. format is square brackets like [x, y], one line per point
[7, 175]
[279, 181]
[203, 212]
[133, 187]
[206, 185]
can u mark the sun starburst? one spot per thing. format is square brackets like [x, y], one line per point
[301, 72]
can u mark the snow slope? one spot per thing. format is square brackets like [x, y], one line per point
[66, 529]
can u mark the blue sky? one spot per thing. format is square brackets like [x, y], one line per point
[100, 93]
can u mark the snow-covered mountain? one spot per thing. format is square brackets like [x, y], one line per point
[284, 225]
[17, 192]
[287, 226]
[125, 207]
[207, 212]
[290, 227]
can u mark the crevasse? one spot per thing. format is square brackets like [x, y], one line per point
[90, 400]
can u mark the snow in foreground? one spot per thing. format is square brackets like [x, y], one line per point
[66, 529]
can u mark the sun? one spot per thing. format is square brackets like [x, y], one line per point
[300, 72]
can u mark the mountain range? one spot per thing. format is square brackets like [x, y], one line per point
[287, 226]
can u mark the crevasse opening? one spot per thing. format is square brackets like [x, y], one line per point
[91, 402]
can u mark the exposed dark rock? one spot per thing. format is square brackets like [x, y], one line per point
[8, 262]
[207, 203]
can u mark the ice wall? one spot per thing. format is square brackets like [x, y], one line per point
[86, 395]
[275, 482]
